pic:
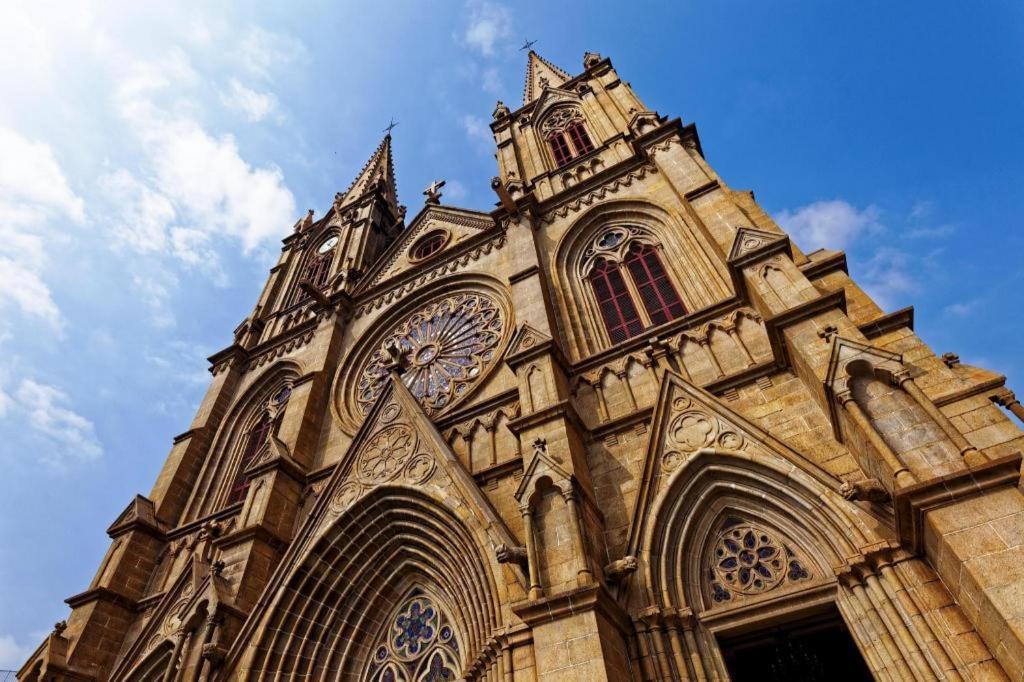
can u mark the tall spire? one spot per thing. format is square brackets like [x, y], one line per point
[379, 170]
[541, 73]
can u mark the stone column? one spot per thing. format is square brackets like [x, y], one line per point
[584, 576]
[901, 475]
[536, 590]
[1007, 399]
[971, 455]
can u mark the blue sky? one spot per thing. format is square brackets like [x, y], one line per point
[153, 154]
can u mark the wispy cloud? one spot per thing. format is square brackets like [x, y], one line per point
[33, 192]
[833, 224]
[478, 132]
[12, 654]
[961, 309]
[489, 23]
[254, 105]
[64, 437]
[262, 52]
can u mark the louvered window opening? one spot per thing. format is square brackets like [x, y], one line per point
[617, 309]
[657, 294]
[560, 149]
[257, 438]
[428, 246]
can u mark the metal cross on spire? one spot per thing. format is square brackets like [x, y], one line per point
[391, 126]
[433, 193]
[527, 44]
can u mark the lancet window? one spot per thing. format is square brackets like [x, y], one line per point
[256, 440]
[623, 268]
[318, 268]
[566, 135]
[419, 645]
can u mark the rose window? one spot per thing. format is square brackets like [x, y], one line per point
[444, 347]
[421, 645]
[748, 560]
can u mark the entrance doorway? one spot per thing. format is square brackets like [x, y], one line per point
[810, 649]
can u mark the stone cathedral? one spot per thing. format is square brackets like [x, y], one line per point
[619, 427]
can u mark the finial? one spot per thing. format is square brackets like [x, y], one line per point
[59, 627]
[527, 44]
[391, 126]
[591, 59]
[433, 192]
[500, 110]
[540, 445]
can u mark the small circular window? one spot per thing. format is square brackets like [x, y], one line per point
[429, 244]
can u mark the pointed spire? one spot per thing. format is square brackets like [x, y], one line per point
[540, 74]
[380, 169]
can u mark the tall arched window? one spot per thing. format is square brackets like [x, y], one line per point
[617, 309]
[256, 440]
[652, 283]
[620, 250]
[318, 267]
[566, 135]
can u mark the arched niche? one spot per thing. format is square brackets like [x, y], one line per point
[329, 615]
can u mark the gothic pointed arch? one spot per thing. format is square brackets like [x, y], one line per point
[399, 513]
[315, 268]
[241, 437]
[639, 246]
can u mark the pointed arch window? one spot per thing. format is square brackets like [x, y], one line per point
[623, 250]
[566, 135]
[616, 305]
[256, 440]
[652, 283]
[419, 645]
[318, 268]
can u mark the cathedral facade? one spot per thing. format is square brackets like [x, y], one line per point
[617, 428]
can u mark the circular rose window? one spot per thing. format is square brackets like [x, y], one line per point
[446, 347]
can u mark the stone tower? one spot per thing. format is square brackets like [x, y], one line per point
[617, 428]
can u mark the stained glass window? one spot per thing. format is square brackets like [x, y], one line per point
[428, 245]
[560, 149]
[446, 346]
[420, 646]
[255, 440]
[656, 291]
[620, 316]
[747, 560]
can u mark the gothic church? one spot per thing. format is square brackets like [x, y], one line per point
[617, 428]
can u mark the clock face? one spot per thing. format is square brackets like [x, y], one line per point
[328, 245]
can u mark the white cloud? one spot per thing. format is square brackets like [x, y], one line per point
[887, 278]
[455, 190]
[12, 654]
[154, 290]
[961, 309]
[213, 189]
[489, 23]
[831, 224]
[478, 131]
[66, 436]
[34, 197]
[254, 105]
[261, 52]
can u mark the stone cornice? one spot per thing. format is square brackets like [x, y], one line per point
[913, 503]
[562, 409]
[101, 594]
[815, 269]
[799, 313]
[899, 319]
[594, 597]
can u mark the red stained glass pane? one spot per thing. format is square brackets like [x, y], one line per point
[429, 245]
[617, 309]
[560, 148]
[656, 291]
[580, 139]
[255, 441]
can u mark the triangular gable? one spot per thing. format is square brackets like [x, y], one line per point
[749, 240]
[688, 421]
[396, 444]
[542, 464]
[457, 224]
[541, 74]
